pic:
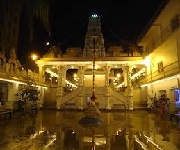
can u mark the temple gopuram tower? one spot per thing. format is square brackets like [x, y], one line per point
[94, 33]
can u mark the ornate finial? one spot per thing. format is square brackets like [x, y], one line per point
[94, 15]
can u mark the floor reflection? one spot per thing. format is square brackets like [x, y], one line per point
[57, 130]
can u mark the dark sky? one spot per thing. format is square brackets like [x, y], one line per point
[121, 20]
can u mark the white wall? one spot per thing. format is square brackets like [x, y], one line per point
[99, 80]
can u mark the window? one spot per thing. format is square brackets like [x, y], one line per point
[160, 67]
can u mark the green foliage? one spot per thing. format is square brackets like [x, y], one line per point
[160, 105]
[28, 94]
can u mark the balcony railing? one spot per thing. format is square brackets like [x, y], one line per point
[17, 74]
[168, 71]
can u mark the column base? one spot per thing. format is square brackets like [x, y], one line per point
[108, 108]
[81, 108]
[58, 106]
[130, 109]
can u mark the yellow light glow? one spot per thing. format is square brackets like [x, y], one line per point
[120, 85]
[34, 56]
[12, 81]
[162, 80]
[53, 74]
[138, 74]
[47, 43]
[75, 75]
[147, 61]
[71, 84]
[118, 75]
[19, 82]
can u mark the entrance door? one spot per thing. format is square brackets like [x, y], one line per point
[177, 97]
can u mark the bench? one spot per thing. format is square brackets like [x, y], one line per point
[5, 112]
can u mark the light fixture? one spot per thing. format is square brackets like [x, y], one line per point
[118, 75]
[34, 56]
[47, 43]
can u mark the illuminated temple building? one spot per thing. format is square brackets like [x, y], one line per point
[69, 75]
[124, 78]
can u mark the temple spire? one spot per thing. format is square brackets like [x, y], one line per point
[94, 32]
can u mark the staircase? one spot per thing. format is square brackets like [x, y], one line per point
[117, 100]
[69, 101]
[121, 100]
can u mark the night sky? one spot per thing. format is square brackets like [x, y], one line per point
[121, 20]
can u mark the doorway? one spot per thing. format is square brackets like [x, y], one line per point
[177, 97]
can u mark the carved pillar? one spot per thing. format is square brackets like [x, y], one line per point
[81, 86]
[41, 74]
[127, 75]
[129, 90]
[64, 76]
[41, 81]
[107, 71]
[61, 84]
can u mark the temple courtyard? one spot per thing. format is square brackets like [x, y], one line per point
[60, 130]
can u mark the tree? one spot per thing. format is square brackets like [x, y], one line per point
[27, 97]
[11, 13]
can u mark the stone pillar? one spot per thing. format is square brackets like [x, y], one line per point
[129, 90]
[61, 83]
[107, 71]
[81, 71]
[41, 97]
[127, 75]
[41, 74]
[41, 81]
[64, 76]
[108, 95]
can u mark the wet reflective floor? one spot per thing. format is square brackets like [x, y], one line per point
[58, 130]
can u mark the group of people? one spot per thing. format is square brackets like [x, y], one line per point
[161, 105]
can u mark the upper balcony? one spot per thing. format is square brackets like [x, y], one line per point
[11, 73]
[164, 73]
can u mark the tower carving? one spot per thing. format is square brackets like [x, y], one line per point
[94, 33]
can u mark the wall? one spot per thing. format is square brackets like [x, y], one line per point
[99, 80]
[50, 97]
